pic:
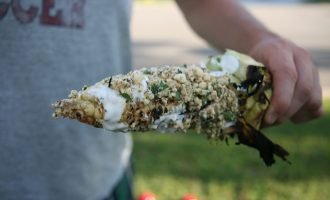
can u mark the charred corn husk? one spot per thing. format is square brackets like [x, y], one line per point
[226, 96]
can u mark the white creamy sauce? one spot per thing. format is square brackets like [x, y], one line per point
[162, 123]
[144, 83]
[229, 65]
[202, 64]
[174, 115]
[217, 73]
[139, 90]
[113, 105]
[229, 124]
[178, 109]
[137, 93]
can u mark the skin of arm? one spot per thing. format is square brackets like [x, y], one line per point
[297, 92]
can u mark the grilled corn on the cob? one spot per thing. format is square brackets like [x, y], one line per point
[226, 96]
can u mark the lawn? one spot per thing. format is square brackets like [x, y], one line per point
[308, 1]
[171, 165]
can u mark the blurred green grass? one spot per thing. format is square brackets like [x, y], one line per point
[171, 165]
[317, 1]
[309, 1]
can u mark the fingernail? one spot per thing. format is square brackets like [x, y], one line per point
[271, 116]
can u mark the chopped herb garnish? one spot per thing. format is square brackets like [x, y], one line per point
[147, 71]
[177, 95]
[126, 96]
[184, 65]
[179, 71]
[154, 88]
[158, 88]
[162, 86]
[84, 87]
[218, 59]
[229, 116]
[205, 98]
[219, 92]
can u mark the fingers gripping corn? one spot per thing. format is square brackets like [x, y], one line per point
[224, 97]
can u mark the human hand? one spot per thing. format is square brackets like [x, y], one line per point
[297, 93]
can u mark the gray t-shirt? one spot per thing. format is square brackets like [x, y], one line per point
[47, 48]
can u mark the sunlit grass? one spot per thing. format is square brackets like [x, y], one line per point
[175, 164]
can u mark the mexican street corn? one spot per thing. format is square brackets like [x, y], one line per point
[226, 96]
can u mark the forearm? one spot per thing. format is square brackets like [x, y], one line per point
[224, 23]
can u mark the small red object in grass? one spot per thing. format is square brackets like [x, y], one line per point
[147, 196]
[189, 197]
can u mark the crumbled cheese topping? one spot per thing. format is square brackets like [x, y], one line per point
[172, 98]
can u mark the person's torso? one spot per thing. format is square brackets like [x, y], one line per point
[47, 48]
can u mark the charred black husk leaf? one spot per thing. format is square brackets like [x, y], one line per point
[251, 137]
[247, 126]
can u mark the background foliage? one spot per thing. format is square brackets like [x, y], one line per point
[172, 165]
